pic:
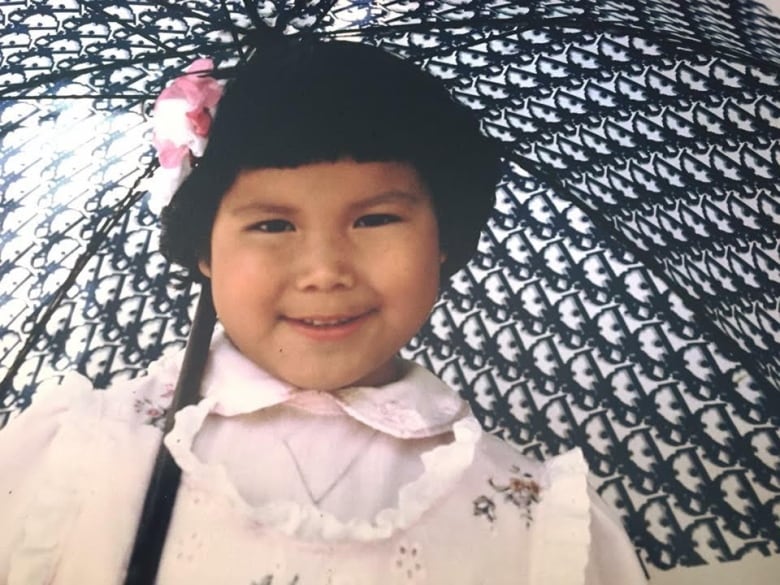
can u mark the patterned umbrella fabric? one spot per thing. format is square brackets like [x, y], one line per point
[625, 298]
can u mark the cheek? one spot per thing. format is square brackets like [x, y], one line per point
[412, 273]
[240, 274]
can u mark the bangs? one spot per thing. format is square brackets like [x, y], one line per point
[293, 108]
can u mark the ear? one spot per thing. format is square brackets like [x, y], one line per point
[204, 268]
[442, 257]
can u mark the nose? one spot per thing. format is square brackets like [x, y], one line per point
[325, 263]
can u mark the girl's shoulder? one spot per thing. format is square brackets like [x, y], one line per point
[73, 445]
[563, 511]
[141, 400]
[145, 400]
[498, 457]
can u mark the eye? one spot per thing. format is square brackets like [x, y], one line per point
[272, 226]
[376, 220]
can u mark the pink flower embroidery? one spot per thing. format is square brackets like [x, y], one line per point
[154, 407]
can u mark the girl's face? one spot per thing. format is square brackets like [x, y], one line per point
[322, 272]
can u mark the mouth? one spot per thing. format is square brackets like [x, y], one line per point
[324, 322]
[329, 327]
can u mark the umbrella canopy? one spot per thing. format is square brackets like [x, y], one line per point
[625, 297]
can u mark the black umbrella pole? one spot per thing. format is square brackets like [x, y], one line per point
[164, 482]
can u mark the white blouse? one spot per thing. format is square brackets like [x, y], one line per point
[388, 485]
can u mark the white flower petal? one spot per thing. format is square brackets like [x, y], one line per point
[171, 123]
[163, 184]
[198, 145]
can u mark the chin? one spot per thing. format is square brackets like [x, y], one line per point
[330, 382]
[316, 381]
[321, 384]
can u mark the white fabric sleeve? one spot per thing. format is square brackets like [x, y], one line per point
[24, 447]
[612, 559]
[561, 523]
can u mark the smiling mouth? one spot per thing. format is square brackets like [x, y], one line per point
[329, 321]
[329, 325]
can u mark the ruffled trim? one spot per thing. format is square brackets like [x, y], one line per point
[562, 523]
[443, 467]
[58, 497]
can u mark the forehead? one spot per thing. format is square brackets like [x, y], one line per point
[344, 181]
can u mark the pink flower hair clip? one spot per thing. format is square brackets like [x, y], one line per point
[181, 122]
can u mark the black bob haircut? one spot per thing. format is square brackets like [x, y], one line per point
[307, 102]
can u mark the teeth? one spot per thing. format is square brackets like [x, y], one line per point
[318, 323]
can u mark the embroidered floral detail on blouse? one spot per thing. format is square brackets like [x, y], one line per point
[485, 506]
[269, 580]
[408, 562]
[154, 408]
[400, 415]
[521, 491]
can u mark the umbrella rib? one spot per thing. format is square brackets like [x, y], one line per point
[480, 22]
[97, 96]
[702, 320]
[233, 30]
[133, 195]
[285, 16]
[186, 12]
[254, 16]
[671, 41]
[421, 55]
[299, 6]
[733, 8]
[102, 67]
[99, 10]
[327, 6]
[476, 22]
[691, 18]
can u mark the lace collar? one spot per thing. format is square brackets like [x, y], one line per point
[415, 406]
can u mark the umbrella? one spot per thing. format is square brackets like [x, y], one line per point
[624, 298]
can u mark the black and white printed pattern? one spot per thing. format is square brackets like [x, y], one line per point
[625, 299]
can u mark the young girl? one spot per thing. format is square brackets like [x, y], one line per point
[339, 189]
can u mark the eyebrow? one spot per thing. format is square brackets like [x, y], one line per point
[269, 208]
[378, 199]
[389, 197]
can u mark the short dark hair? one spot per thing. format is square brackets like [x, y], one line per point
[298, 103]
